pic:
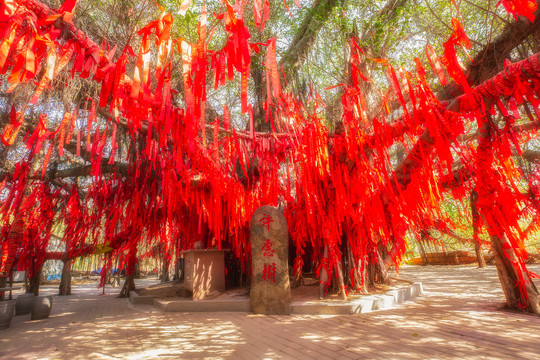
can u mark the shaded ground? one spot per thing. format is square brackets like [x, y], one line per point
[163, 290]
[74, 281]
[457, 318]
[308, 290]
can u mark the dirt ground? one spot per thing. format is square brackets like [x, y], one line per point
[85, 280]
[163, 290]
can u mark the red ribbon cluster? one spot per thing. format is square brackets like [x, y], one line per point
[341, 191]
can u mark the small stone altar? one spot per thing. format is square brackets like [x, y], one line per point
[270, 289]
[204, 272]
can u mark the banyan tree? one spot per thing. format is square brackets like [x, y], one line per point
[132, 125]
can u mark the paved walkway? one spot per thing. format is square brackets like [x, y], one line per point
[457, 318]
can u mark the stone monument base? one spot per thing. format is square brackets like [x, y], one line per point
[204, 272]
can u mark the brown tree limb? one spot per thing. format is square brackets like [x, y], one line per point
[306, 35]
[85, 171]
[490, 59]
[425, 143]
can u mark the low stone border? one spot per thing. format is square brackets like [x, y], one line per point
[361, 305]
[135, 298]
[188, 305]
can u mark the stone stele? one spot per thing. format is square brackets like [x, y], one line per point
[270, 289]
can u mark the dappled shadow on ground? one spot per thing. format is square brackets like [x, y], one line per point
[461, 285]
[457, 318]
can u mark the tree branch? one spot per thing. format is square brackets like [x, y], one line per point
[306, 35]
[488, 90]
[490, 60]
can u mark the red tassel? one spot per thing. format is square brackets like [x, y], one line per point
[46, 160]
[79, 142]
[435, 64]
[91, 118]
[243, 91]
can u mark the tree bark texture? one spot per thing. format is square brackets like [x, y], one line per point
[129, 284]
[164, 268]
[65, 281]
[323, 274]
[34, 282]
[423, 254]
[306, 35]
[509, 275]
[518, 287]
[476, 226]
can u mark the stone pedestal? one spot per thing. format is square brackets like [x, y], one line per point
[270, 290]
[204, 272]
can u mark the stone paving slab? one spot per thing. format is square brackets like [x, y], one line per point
[188, 305]
[457, 317]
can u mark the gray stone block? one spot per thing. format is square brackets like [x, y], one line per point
[269, 236]
[363, 305]
[416, 289]
[400, 295]
[383, 302]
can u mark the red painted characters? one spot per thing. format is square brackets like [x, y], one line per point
[266, 220]
[269, 272]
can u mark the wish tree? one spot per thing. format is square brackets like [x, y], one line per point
[141, 124]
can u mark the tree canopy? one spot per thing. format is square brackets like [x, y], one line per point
[128, 124]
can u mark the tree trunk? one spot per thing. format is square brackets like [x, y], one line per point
[341, 283]
[306, 35]
[138, 269]
[34, 281]
[363, 271]
[129, 284]
[476, 225]
[370, 271]
[164, 268]
[380, 269]
[421, 247]
[13, 238]
[10, 284]
[509, 272]
[65, 281]
[176, 276]
[479, 254]
[114, 278]
[3, 283]
[323, 274]
[377, 267]
[356, 283]
[519, 290]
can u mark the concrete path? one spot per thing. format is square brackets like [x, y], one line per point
[458, 317]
